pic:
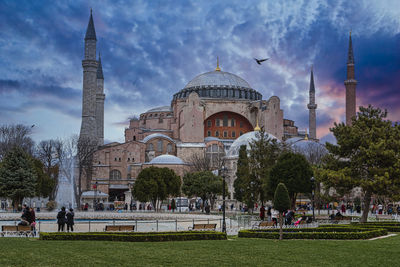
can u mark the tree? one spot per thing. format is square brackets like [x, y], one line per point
[294, 171]
[85, 157]
[44, 184]
[156, 184]
[18, 177]
[367, 155]
[15, 136]
[49, 151]
[245, 185]
[263, 154]
[203, 184]
[281, 203]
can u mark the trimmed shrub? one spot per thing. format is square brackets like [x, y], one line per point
[316, 233]
[51, 205]
[136, 237]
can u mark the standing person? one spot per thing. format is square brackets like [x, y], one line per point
[269, 214]
[262, 213]
[33, 219]
[70, 220]
[61, 219]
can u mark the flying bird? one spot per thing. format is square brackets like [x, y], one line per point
[260, 60]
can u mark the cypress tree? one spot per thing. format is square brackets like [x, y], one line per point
[281, 203]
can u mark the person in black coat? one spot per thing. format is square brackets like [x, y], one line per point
[70, 220]
[61, 219]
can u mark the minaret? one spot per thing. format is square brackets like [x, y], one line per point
[89, 64]
[100, 96]
[312, 107]
[350, 83]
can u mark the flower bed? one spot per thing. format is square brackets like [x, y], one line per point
[135, 237]
[316, 233]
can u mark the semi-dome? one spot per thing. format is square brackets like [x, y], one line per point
[245, 140]
[219, 84]
[167, 159]
[160, 109]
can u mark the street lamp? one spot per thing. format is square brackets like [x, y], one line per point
[222, 173]
[312, 192]
[95, 196]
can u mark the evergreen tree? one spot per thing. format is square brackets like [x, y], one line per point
[202, 184]
[156, 184]
[263, 154]
[246, 186]
[367, 155]
[294, 171]
[18, 178]
[281, 203]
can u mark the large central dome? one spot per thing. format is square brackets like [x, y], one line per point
[219, 84]
[218, 78]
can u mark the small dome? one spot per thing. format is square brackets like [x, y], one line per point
[160, 109]
[167, 159]
[304, 146]
[245, 140]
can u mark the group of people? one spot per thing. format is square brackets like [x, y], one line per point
[64, 217]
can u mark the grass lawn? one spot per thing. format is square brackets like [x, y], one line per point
[233, 252]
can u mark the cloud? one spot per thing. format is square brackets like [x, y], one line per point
[152, 49]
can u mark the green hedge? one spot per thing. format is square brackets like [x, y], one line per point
[135, 237]
[315, 233]
[389, 226]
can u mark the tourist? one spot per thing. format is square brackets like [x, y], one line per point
[262, 213]
[380, 209]
[61, 219]
[269, 214]
[343, 208]
[27, 214]
[70, 220]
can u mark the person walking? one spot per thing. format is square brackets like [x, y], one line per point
[262, 213]
[70, 220]
[61, 219]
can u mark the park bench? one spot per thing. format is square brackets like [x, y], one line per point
[206, 226]
[17, 230]
[382, 217]
[120, 228]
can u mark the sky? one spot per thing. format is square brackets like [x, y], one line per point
[152, 49]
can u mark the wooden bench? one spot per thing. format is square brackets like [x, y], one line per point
[120, 228]
[206, 226]
[380, 217]
[17, 230]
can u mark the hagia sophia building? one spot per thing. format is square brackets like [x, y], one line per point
[211, 117]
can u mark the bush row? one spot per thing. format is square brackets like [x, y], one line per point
[135, 237]
[390, 227]
[314, 235]
[315, 230]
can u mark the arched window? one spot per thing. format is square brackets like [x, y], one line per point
[159, 146]
[150, 147]
[115, 175]
[169, 148]
[233, 123]
[216, 133]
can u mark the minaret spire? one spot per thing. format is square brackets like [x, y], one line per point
[100, 69]
[350, 84]
[90, 31]
[312, 121]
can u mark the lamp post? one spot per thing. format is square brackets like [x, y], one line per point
[222, 172]
[312, 192]
[95, 196]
